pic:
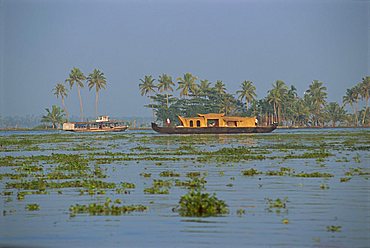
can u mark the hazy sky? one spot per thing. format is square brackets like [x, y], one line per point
[232, 41]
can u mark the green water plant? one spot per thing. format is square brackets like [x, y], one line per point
[198, 204]
[106, 208]
[33, 207]
[333, 228]
[314, 174]
[276, 204]
[251, 172]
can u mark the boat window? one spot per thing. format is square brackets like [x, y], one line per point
[191, 123]
[198, 123]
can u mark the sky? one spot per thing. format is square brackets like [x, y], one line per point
[258, 40]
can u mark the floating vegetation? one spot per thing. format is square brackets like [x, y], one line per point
[193, 174]
[240, 212]
[314, 174]
[127, 185]
[146, 174]
[334, 228]
[195, 183]
[198, 204]
[283, 171]
[107, 208]
[324, 186]
[169, 174]
[33, 207]
[156, 191]
[276, 204]
[78, 169]
[251, 172]
[345, 179]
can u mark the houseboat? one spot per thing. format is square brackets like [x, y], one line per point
[215, 124]
[102, 124]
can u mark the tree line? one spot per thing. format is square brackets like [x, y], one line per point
[281, 104]
[76, 78]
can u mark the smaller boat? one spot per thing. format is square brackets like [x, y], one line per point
[102, 124]
[215, 124]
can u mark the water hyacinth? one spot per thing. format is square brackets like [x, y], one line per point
[198, 204]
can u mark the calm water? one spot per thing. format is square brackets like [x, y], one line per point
[312, 204]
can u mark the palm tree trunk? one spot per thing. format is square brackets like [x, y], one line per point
[167, 100]
[96, 103]
[81, 107]
[65, 109]
[150, 102]
[363, 118]
[356, 117]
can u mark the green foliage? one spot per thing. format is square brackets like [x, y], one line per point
[334, 228]
[198, 204]
[277, 204]
[55, 116]
[107, 208]
[251, 172]
[33, 207]
[314, 174]
[169, 174]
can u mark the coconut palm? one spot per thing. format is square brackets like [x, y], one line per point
[204, 87]
[55, 116]
[276, 96]
[187, 84]
[220, 87]
[317, 98]
[227, 104]
[61, 91]
[352, 97]
[96, 79]
[248, 92]
[334, 113]
[364, 91]
[147, 87]
[78, 78]
[165, 83]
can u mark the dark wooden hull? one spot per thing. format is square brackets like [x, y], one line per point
[115, 129]
[212, 130]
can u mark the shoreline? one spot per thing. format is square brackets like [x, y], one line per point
[148, 128]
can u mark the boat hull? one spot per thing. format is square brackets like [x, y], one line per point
[213, 130]
[115, 129]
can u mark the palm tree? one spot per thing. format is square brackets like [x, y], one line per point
[164, 84]
[227, 104]
[317, 98]
[204, 87]
[220, 87]
[365, 93]
[96, 79]
[276, 96]
[147, 87]
[55, 116]
[247, 92]
[61, 91]
[334, 113]
[78, 78]
[187, 84]
[352, 98]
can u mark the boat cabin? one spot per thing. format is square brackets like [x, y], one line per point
[217, 120]
[102, 118]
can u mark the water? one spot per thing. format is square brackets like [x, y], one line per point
[312, 204]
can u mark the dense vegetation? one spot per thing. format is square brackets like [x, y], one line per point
[281, 104]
